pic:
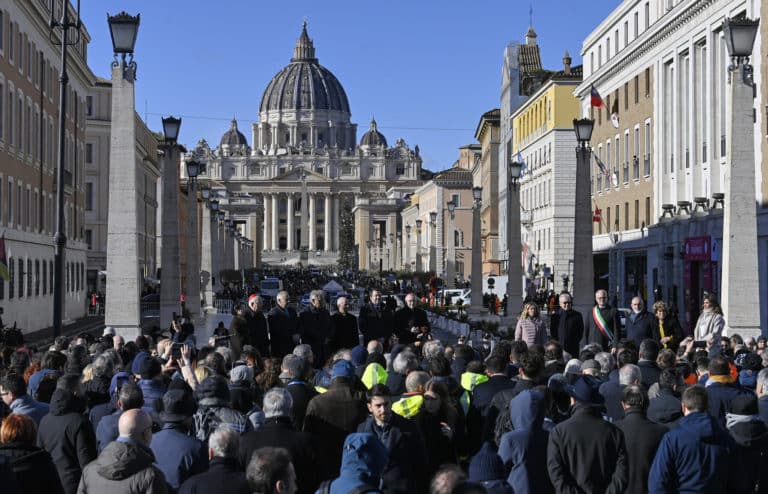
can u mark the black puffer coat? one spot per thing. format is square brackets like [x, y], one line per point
[33, 467]
[69, 438]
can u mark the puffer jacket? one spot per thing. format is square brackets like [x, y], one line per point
[97, 390]
[751, 453]
[362, 463]
[33, 468]
[152, 389]
[123, 468]
[215, 409]
[68, 436]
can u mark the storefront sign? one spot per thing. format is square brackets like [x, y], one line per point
[698, 249]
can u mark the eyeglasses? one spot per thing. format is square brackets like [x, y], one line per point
[566, 303]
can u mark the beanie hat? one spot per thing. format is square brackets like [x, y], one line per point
[241, 373]
[744, 404]
[118, 380]
[486, 465]
[343, 368]
[137, 360]
[149, 368]
[748, 379]
[359, 354]
[213, 388]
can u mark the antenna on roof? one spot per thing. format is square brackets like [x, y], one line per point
[530, 14]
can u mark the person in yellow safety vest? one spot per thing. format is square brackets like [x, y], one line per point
[468, 381]
[412, 400]
[374, 373]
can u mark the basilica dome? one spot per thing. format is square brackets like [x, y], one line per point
[304, 84]
[373, 137]
[233, 137]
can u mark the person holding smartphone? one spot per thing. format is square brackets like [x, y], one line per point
[711, 322]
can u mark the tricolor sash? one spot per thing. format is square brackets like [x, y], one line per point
[601, 324]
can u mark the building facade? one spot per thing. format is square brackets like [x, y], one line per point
[543, 138]
[305, 145]
[487, 134]
[668, 61]
[29, 114]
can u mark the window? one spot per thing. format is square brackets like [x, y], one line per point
[89, 106]
[10, 201]
[647, 82]
[637, 89]
[50, 277]
[455, 199]
[647, 150]
[399, 169]
[647, 15]
[637, 213]
[89, 153]
[636, 23]
[29, 277]
[10, 41]
[2, 46]
[28, 209]
[45, 278]
[626, 157]
[11, 98]
[21, 278]
[88, 196]
[19, 203]
[647, 211]
[608, 219]
[626, 95]
[2, 97]
[89, 238]
[616, 225]
[626, 33]
[626, 216]
[37, 277]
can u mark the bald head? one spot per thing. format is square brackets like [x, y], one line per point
[136, 424]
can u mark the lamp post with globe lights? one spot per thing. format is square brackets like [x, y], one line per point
[514, 264]
[194, 166]
[450, 263]
[433, 242]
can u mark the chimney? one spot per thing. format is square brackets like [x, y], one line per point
[567, 63]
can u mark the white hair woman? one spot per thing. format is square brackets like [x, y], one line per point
[530, 327]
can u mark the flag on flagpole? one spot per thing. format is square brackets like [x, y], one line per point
[519, 159]
[615, 113]
[3, 261]
[597, 100]
[600, 165]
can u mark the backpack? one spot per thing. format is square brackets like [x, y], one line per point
[325, 488]
[503, 425]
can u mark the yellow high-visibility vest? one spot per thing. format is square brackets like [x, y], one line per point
[374, 374]
[408, 406]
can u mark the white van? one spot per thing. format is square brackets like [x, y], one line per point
[452, 295]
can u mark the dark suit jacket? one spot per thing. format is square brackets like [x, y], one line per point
[375, 322]
[594, 335]
[641, 328]
[405, 319]
[642, 438]
[573, 326]
[282, 327]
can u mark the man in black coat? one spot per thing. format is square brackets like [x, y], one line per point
[641, 436]
[256, 333]
[279, 431]
[666, 408]
[406, 470]
[649, 369]
[283, 326]
[224, 470]
[483, 394]
[376, 321]
[293, 374]
[315, 327]
[613, 390]
[410, 321]
[585, 453]
[345, 333]
[639, 324]
[567, 325]
[721, 390]
[66, 433]
[602, 322]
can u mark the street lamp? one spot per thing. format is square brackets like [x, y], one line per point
[60, 237]
[433, 242]
[514, 268]
[408, 246]
[583, 269]
[391, 253]
[194, 166]
[419, 261]
[124, 281]
[450, 271]
[477, 255]
[170, 277]
[740, 281]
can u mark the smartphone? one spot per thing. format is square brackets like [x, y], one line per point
[176, 351]
[700, 344]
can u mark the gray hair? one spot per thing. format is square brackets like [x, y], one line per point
[304, 351]
[762, 381]
[629, 374]
[606, 361]
[224, 442]
[102, 367]
[227, 354]
[433, 348]
[317, 294]
[405, 361]
[415, 380]
[278, 403]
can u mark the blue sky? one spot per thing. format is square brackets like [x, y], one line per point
[426, 69]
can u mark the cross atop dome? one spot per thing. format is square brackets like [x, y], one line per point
[305, 49]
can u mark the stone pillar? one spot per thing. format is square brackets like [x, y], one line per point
[192, 285]
[256, 236]
[327, 223]
[275, 222]
[227, 250]
[450, 262]
[123, 310]
[583, 268]
[289, 223]
[207, 254]
[170, 277]
[337, 206]
[266, 242]
[514, 254]
[312, 223]
[741, 276]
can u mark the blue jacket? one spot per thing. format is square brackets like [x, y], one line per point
[107, 430]
[720, 398]
[762, 403]
[362, 463]
[692, 458]
[34, 380]
[640, 328]
[179, 455]
[152, 390]
[25, 405]
[524, 449]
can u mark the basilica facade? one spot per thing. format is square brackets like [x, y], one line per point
[288, 190]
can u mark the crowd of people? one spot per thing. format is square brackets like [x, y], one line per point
[319, 401]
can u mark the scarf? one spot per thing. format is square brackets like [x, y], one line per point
[720, 379]
[661, 331]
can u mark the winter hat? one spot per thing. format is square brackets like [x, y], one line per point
[213, 388]
[364, 449]
[118, 380]
[241, 373]
[294, 365]
[748, 379]
[178, 405]
[343, 368]
[149, 368]
[359, 354]
[109, 330]
[573, 366]
[137, 360]
[744, 404]
[486, 465]
[585, 390]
